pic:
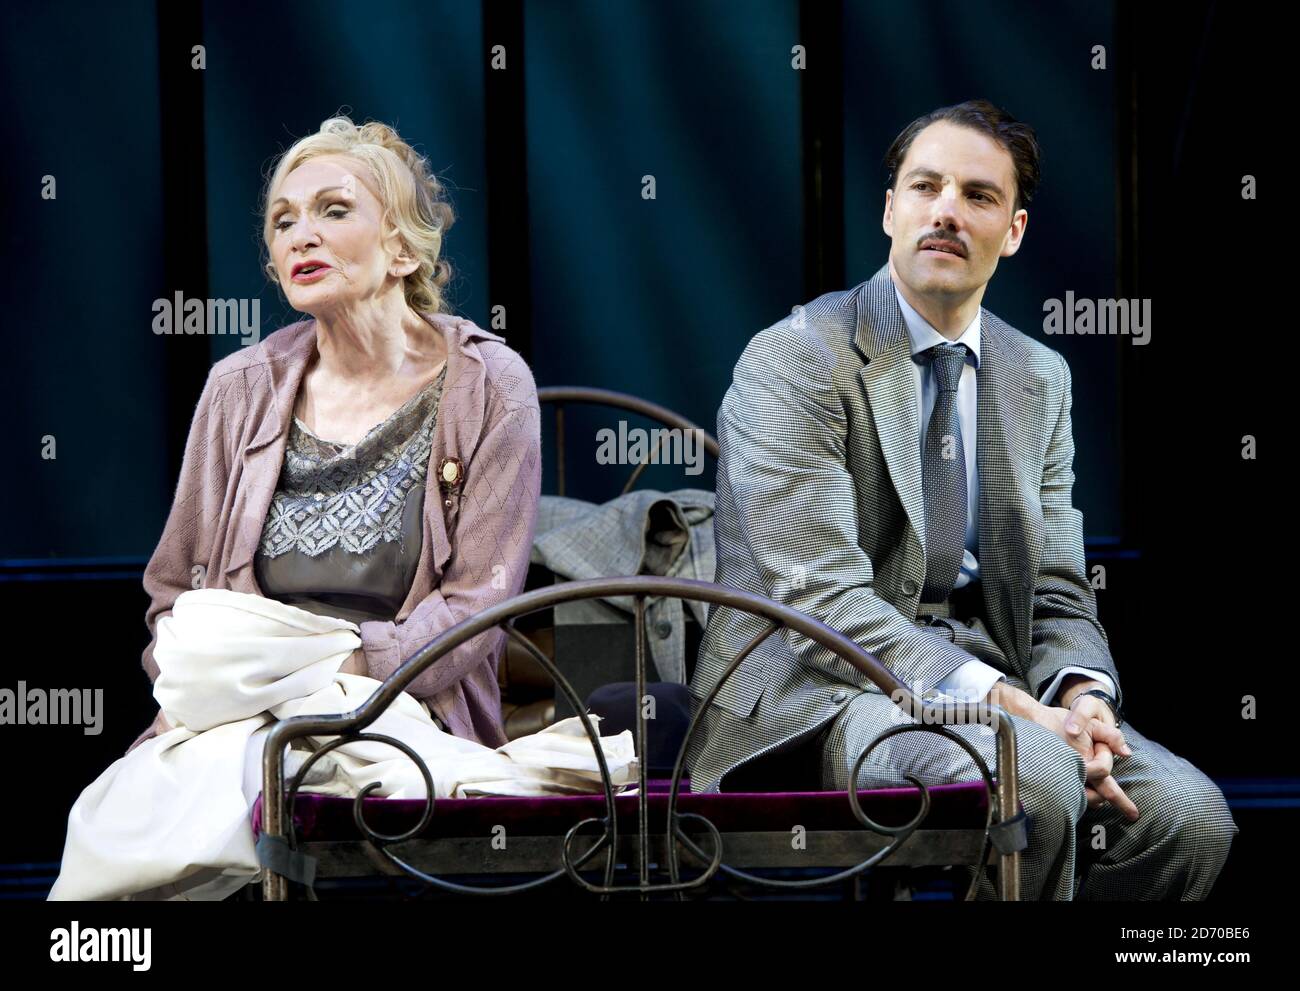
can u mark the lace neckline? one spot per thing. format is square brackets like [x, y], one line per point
[352, 497]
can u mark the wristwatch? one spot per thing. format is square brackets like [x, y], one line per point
[1109, 699]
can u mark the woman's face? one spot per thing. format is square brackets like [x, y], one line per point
[327, 240]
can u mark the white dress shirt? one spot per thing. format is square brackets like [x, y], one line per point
[971, 681]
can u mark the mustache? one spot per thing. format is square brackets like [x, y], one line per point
[943, 236]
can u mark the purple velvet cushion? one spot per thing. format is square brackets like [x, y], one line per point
[962, 805]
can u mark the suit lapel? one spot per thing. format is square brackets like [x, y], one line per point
[891, 393]
[1010, 534]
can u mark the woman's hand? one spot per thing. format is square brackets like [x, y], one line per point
[356, 663]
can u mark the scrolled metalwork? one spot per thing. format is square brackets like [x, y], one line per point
[901, 832]
[929, 717]
[910, 827]
[381, 841]
[377, 839]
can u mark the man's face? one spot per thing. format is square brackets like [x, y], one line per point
[952, 213]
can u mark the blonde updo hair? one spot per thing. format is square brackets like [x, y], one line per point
[414, 201]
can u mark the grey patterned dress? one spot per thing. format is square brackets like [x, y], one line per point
[344, 531]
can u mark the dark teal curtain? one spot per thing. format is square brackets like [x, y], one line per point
[654, 297]
[80, 273]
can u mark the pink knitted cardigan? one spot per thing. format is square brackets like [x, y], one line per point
[477, 537]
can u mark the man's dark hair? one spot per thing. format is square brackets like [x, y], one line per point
[979, 115]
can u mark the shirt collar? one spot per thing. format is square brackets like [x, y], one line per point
[923, 336]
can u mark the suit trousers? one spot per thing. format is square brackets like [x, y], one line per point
[1174, 851]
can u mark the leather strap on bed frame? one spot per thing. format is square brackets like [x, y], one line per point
[275, 854]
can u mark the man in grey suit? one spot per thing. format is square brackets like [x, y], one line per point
[897, 462]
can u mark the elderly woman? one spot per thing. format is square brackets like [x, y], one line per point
[379, 462]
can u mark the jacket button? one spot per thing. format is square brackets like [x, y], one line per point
[839, 697]
[908, 587]
[664, 629]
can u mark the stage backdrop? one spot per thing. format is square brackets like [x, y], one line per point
[607, 286]
[139, 135]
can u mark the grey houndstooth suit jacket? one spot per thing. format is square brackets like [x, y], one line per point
[819, 506]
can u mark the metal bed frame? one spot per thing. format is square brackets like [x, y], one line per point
[1003, 829]
[559, 395]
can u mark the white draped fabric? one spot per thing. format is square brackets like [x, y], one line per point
[172, 818]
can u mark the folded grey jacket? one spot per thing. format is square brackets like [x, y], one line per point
[639, 533]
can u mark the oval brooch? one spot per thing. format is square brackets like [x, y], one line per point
[451, 473]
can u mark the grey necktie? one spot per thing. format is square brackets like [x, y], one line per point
[943, 477]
